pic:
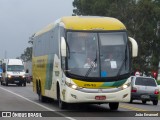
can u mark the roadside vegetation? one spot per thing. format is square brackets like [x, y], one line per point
[158, 81]
[142, 19]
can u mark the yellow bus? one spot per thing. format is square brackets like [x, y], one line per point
[83, 59]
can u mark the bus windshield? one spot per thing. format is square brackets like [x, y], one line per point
[15, 68]
[97, 54]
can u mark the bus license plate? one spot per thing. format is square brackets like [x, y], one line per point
[100, 97]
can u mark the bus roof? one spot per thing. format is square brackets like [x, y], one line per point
[86, 23]
[92, 23]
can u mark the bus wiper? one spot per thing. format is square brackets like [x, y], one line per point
[92, 65]
[124, 61]
[120, 69]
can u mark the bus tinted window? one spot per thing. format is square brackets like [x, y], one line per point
[47, 43]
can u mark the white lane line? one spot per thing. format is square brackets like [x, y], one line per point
[49, 109]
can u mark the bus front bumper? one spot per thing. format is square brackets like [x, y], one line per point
[70, 95]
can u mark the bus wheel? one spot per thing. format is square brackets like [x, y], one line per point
[40, 96]
[131, 100]
[37, 87]
[62, 105]
[114, 106]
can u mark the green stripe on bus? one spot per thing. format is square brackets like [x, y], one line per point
[114, 84]
[49, 72]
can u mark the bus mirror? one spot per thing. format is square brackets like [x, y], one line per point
[63, 47]
[134, 47]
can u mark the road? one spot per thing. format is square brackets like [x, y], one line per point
[23, 99]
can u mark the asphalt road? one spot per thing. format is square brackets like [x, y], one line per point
[25, 103]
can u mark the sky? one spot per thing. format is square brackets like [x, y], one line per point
[20, 19]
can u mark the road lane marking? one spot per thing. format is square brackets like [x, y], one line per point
[49, 109]
[70, 118]
[132, 108]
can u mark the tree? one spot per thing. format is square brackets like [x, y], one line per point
[27, 55]
[140, 18]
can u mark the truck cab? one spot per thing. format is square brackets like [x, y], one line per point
[13, 72]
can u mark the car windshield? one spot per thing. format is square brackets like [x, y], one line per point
[15, 68]
[97, 54]
[145, 81]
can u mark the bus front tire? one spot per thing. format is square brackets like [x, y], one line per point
[62, 105]
[114, 106]
[131, 100]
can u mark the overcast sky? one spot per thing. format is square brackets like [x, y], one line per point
[19, 19]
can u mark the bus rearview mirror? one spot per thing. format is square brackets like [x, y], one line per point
[134, 47]
[63, 47]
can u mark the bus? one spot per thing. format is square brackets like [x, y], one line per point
[61, 51]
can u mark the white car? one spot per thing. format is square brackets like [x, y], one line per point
[144, 89]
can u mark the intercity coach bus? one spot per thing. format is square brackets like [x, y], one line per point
[83, 59]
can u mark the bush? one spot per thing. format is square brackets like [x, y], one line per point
[158, 81]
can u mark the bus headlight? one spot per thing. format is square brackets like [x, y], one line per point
[73, 86]
[125, 86]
